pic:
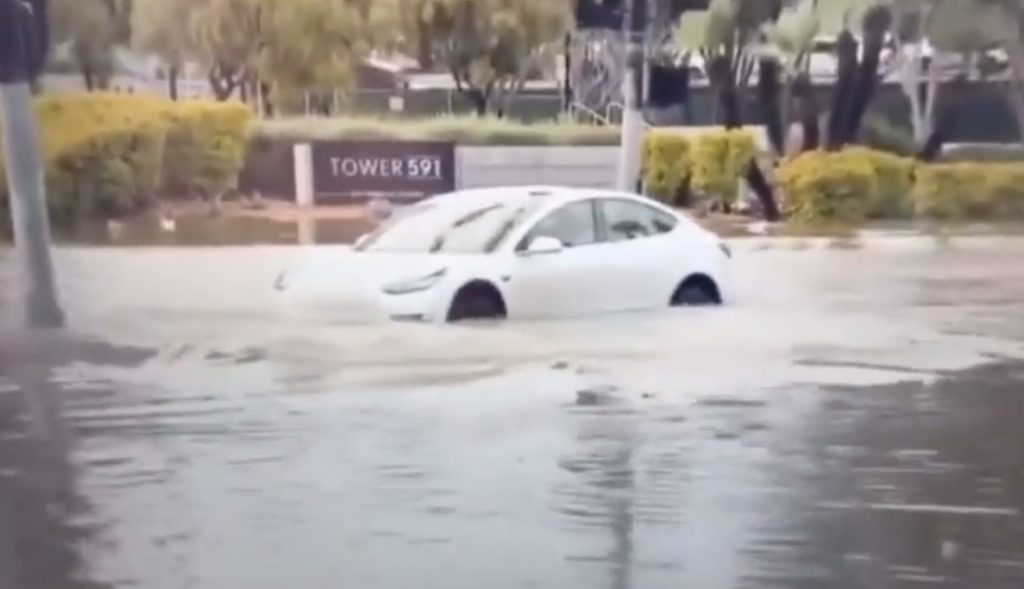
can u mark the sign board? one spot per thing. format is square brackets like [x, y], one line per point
[406, 170]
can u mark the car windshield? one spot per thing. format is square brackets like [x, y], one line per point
[473, 226]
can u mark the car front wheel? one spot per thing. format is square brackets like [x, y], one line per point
[477, 301]
[696, 291]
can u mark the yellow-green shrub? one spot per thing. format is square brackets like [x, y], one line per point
[1005, 182]
[719, 160]
[965, 191]
[894, 179]
[206, 145]
[109, 154]
[823, 187]
[666, 165]
[110, 172]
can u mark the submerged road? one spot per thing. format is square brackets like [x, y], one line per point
[853, 421]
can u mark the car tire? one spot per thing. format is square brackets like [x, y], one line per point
[696, 291]
[475, 302]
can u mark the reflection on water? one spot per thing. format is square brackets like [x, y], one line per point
[833, 429]
[198, 230]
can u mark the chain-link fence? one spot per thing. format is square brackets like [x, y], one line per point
[526, 106]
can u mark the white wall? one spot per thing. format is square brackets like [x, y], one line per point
[516, 166]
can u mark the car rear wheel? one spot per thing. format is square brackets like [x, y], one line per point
[696, 291]
[477, 301]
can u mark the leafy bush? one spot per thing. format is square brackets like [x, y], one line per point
[966, 191]
[110, 154]
[894, 179]
[1005, 184]
[823, 187]
[206, 146]
[855, 183]
[666, 166]
[719, 159]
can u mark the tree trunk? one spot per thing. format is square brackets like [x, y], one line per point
[478, 98]
[722, 75]
[846, 52]
[810, 112]
[88, 76]
[268, 103]
[723, 78]
[567, 79]
[771, 109]
[1015, 89]
[1016, 93]
[223, 84]
[759, 184]
[876, 23]
[911, 62]
[931, 149]
[944, 125]
[172, 82]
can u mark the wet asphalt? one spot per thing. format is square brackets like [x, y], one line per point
[850, 422]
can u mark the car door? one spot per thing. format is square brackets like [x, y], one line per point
[564, 283]
[639, 252]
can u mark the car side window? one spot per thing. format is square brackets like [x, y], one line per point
[574, 225]
[625, 220]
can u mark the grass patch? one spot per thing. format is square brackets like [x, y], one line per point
[459, 129]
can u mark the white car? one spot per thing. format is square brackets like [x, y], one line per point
[517, 252]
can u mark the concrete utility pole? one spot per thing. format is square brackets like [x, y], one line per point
[632, 114]
[19, 60]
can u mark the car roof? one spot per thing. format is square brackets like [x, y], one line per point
[554, 195]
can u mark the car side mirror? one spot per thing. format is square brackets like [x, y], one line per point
[544, 245]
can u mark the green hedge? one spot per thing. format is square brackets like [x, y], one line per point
[463, 130]
[822, 187]
[206, 147]
[858, 183]
[666, 166]
[110, 154]
[719, 159]
[969, 191]
[893, 181]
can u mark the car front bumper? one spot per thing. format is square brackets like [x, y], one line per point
[422, 307]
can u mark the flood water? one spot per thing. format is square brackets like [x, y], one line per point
[205, 230]
[851, 422]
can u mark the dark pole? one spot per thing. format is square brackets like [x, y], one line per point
[23, 38]
[567, 81]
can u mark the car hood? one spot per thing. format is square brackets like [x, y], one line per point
[351, 270]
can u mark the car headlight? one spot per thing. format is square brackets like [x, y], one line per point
[416, 284]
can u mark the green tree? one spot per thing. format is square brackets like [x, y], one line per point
[491, 47]
[784, 85]
[730, 38]
[92, 29]
[227, 38]
[414, 20]
[311, 46]
[964, 29]
[164, 28]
